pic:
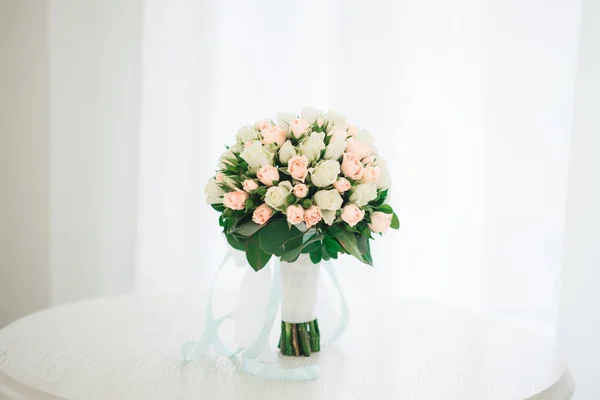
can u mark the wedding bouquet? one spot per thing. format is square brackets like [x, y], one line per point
[304, 189]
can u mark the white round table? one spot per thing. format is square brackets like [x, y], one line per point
[128, 348]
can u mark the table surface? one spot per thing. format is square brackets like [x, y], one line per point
[127, 348]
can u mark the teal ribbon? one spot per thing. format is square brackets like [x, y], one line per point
[193, 350]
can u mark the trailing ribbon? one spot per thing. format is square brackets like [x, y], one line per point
[193, 350]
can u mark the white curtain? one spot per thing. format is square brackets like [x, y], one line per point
[467, 100]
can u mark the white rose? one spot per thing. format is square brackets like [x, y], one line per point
[325, 174]
[384, 181]
[246, 134]
[328, 200]
[335, 149]
[328, 216]
[229, 182]
[286, 152]
[337, 119]
[276, 196]
[213, 192]
[363, 193]
[364, 136]
[237, 148]
[284, 119]
[225, 158]
[310, 115]
[257, 156]
[312, 146]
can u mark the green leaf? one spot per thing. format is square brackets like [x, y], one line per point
[380, 199]
[395, 224]
[331, 245]
[385, 208]
[368, 258]
[349, 243]
[247, 228]
[256, 256]
[261, 191]
[291, 254]
[310, 247]
[277, 237]
[316, 255]
[333, 231]
[218, 207]
[250, 204]
[235, 242]
[332, 255]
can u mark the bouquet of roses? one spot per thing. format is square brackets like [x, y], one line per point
[310, 184]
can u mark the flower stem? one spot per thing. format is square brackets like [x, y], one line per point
[304, 343]
[300, 339]
[288, 339]
[295, 341]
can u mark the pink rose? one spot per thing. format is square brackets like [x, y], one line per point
[295, 214]
[342, 185]
[300, 190]
[263, 124]
[352, 130]
[249, 185]
[351, 166]
[298, 127]
[267, 175]
[274, 134]
[352, 214]
[220, 176]
[361, 149]
[247, 144]
[312, 216]
[370, 174]
[338, 134]
[235, 200]
[298, 167]
[380, 222]
[262, 214]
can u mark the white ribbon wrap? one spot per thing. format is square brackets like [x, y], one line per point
[299, 282]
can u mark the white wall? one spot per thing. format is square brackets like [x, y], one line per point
[24, 191]
[95, 75]
[70, 79]
[579, 331]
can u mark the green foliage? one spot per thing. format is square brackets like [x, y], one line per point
[261, 191]
[256, 256]
[292, 254]
[380, 199]
[235, 242]
[316, 255]
[349, 242]
[218, 207]
[310, 247]
[395, 222]
[385, 208]
[247, 228]
[278, 236]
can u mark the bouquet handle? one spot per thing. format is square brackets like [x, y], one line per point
[192, 350]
